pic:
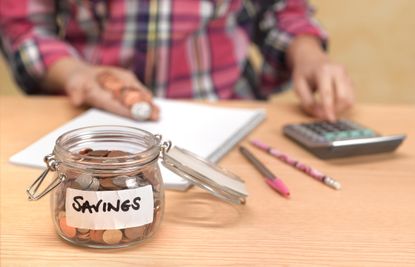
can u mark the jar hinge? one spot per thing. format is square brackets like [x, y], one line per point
[52, 165]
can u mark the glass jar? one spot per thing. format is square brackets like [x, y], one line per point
[110, 191]
[107, 190]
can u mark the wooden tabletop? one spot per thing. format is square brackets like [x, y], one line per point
[370, 222]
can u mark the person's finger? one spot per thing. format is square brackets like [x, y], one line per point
[304, 93]
[130, 80]
[326, 94]
[127, 89]
[344, 91]
[97, 97]
[155, 112]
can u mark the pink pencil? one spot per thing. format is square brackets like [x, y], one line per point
[298, 165]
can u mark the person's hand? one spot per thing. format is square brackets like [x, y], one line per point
[323, 87]
[82, 84]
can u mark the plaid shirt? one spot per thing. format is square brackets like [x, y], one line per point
[177, 48]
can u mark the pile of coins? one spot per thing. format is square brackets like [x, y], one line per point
[83, 180]
[129, 96]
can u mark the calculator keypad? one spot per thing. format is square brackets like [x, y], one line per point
[342, 138]
[341, 130]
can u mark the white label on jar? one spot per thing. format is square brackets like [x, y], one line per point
[101, 210]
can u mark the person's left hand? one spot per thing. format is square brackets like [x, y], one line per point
[324, 88]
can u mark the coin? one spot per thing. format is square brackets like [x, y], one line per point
[94, 186]
[125, 182]
[83, 181]
[134, 232]
[67, 230]
[96, 235]
[131, 97]
[108, 81]
[141, 111]
[82, 231]
[117, 153]
[112, 237]
[98, 153]
[83, 237]
[85, 151]
[107, 183]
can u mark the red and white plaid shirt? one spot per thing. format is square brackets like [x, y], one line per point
[178, 48]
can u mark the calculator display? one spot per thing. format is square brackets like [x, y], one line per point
[340, 139]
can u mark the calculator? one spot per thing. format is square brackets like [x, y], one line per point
[342, 138]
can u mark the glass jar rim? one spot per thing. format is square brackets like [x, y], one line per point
[133, 160]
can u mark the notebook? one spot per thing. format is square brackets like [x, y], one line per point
[207, 131]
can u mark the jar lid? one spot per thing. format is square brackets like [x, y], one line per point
[219, 182]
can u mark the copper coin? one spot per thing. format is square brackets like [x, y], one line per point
[96, 236]
[67, 230]
[109, 81]
[71, 174]
[134, 232]
[85, 151]
[112, 237]
[82, 230]
[117, 153]
[61, 214]
[98, 153]
[108, 184]
[131, 98]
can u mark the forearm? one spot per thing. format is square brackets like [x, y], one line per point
[303, 47]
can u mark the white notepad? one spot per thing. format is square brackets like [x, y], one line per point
[207, 131]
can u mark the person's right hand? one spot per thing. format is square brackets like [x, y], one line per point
[80, 82]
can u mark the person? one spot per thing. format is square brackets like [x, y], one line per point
[172, 49]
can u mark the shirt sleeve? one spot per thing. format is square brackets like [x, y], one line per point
[275, 28]
[29, 40]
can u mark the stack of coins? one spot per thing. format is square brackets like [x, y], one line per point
[83, 180]
[129, 96]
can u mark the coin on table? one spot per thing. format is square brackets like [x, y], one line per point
[141, 111]
[112, 237]
[134, 232]
[67, 230]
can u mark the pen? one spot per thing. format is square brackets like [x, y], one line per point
[298, 165]
[271, 179]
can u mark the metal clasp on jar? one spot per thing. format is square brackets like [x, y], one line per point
[52, 165]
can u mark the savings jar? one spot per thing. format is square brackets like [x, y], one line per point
[107, 190]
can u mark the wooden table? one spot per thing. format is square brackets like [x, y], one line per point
[370, 222]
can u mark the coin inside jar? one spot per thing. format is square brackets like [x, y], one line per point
[86, 206]
[67, 230]
[112, 237]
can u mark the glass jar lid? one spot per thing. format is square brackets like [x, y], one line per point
[219, 182]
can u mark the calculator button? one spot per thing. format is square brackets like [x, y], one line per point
[355, 133]
[368, 133]
[342, 135]
[330, 136]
